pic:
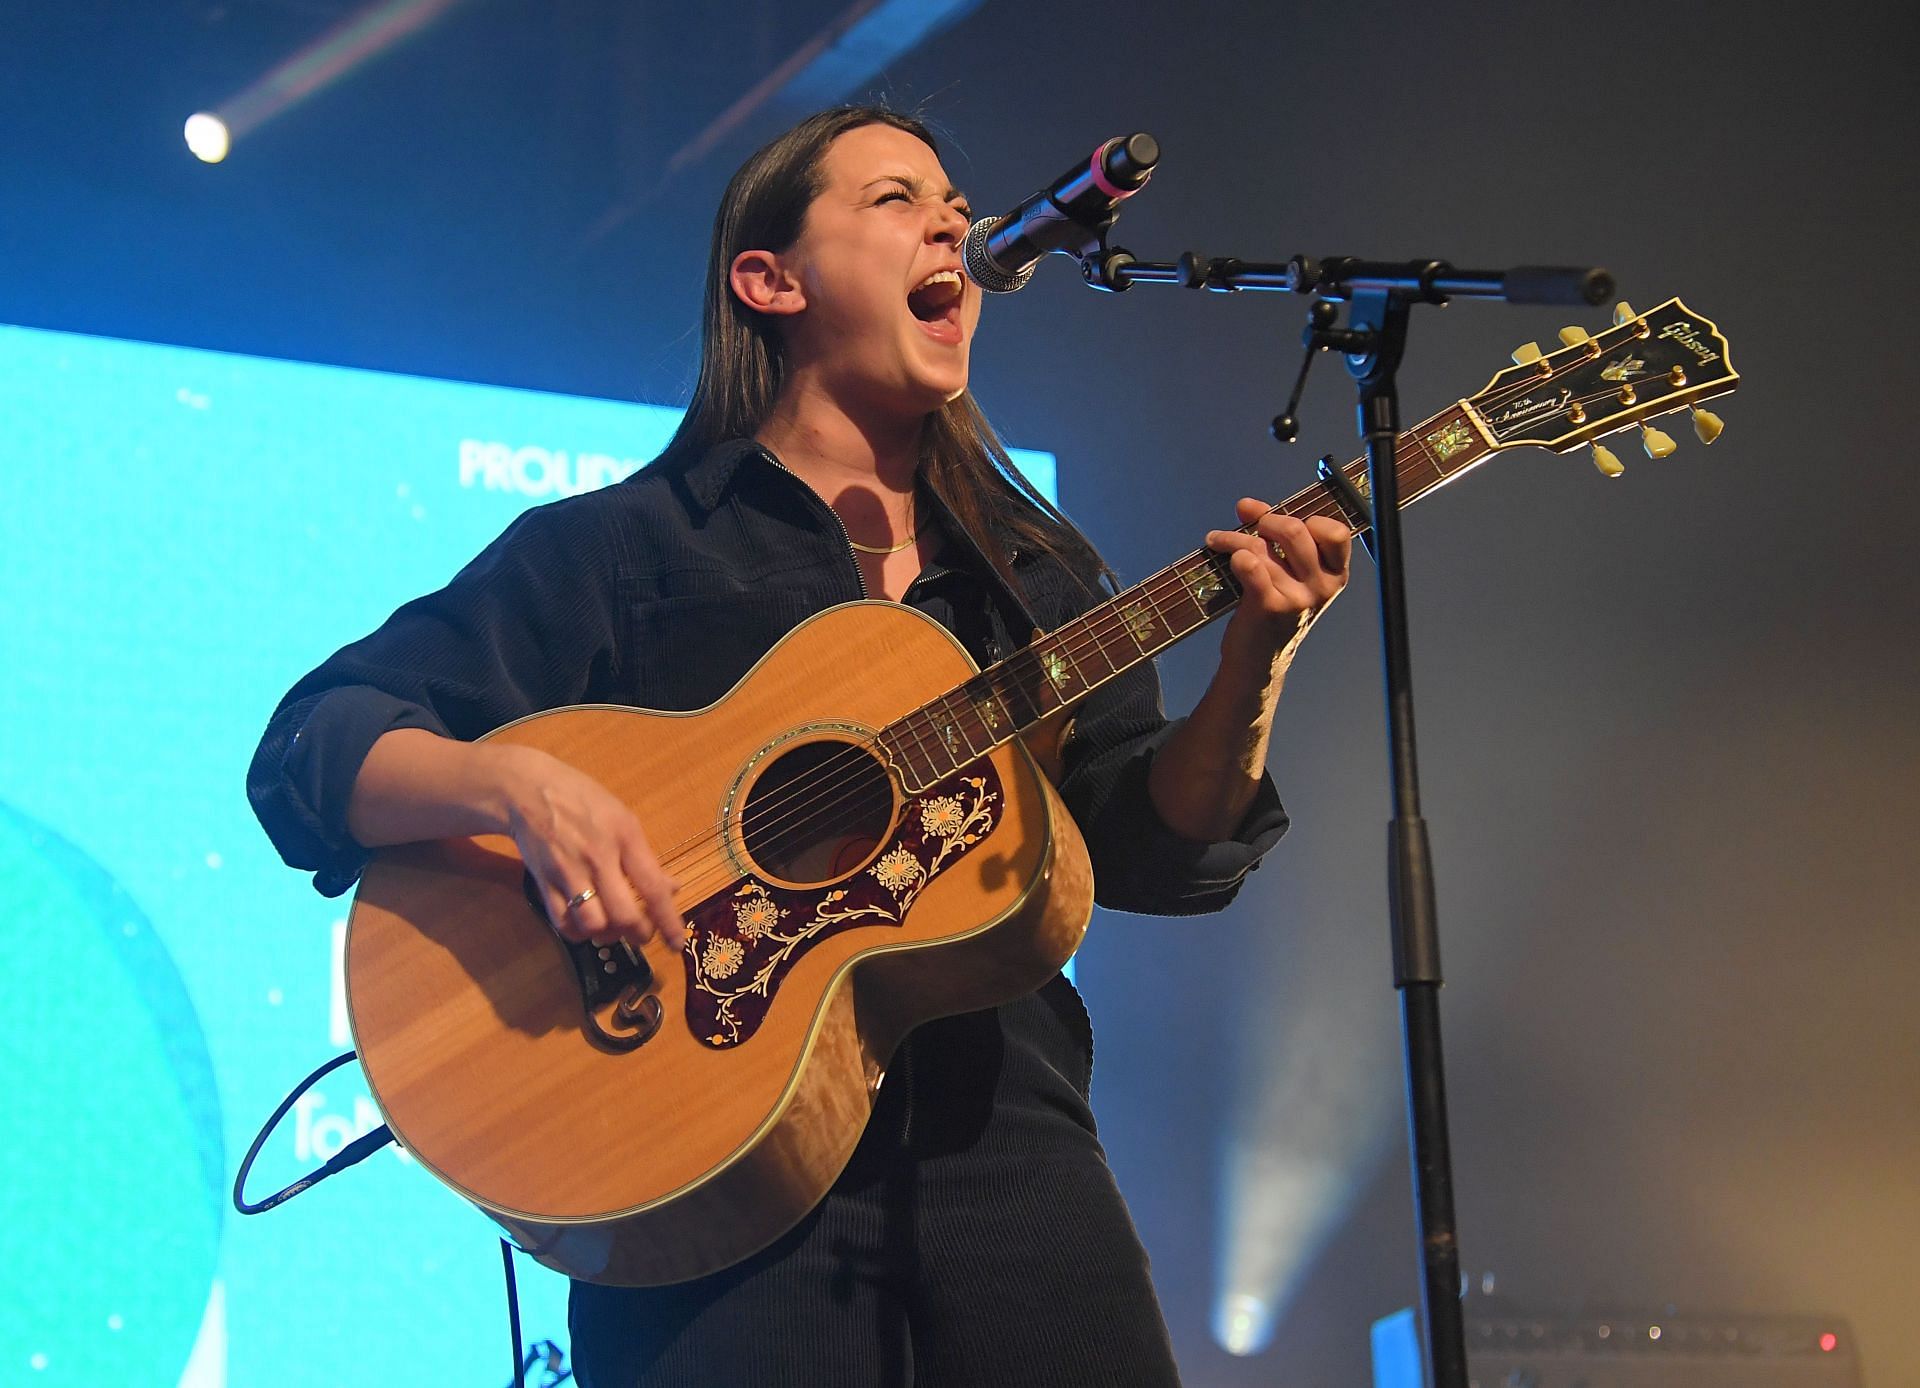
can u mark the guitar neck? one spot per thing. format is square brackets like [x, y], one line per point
[1061, 668]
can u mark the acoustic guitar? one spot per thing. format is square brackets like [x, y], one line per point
[865, 841]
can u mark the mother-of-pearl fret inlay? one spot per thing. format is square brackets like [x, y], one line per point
[1055, 664]
[1450, 438]
[1204, 584]
[989, 710]
[1140, 622]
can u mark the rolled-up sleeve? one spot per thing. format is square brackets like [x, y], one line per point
[1139, 864]
[528, 625]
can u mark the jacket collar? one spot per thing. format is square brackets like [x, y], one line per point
[708, 478]
[709, 475]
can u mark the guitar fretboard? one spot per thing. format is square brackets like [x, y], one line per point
[1059, 669]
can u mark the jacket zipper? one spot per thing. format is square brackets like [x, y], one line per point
[838, 524]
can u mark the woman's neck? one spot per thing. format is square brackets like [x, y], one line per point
[833, 450]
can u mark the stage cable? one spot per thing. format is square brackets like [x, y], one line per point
[513, 1315]
[358, 1150]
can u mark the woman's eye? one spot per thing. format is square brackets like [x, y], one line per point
[889, 197]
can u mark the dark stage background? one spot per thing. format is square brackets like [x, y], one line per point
[1667, 727]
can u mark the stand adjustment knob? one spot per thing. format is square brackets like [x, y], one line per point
[1657, 444]
[1706, 424]
[1526, 354]
[1604, 460]
[1573, 336]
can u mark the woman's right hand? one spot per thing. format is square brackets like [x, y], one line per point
[575, 834]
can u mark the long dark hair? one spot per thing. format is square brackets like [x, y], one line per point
[742, 359]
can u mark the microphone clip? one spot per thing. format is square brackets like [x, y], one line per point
[1104, 267]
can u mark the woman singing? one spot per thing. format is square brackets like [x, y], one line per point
[830, 453]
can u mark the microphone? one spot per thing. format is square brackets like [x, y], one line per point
[1069, 214]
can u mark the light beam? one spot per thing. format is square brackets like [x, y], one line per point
[350, 44]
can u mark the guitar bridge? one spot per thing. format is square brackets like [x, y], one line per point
[618, 1007]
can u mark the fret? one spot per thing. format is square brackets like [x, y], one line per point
[947, 740]
[939, 764]
[1109, 631]
[989, 708]
[1207, 586]
[1140, 619]
[1056, 664]
[1082, 641]
[952, 716]
[1012, 695]
[908, 754]
[940, 757]
[1023, 670]
[1173, 601]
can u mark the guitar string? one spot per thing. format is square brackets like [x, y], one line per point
[1316, 500]
[856, 755]
[1074, 646]
[844, 789]
[1094, 636]
[1312, 501]
[841, 789]
[1488, 398]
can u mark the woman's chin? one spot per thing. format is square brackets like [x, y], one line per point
[939, 381]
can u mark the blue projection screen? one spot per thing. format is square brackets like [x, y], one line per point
[185, 533]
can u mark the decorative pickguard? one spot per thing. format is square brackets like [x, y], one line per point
[742, 941]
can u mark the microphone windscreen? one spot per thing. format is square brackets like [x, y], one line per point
[980, 266]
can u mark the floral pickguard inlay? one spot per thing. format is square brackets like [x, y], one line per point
[742, 941]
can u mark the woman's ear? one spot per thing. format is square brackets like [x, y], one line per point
[763, 282]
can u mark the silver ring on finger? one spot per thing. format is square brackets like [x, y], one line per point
[579, 899]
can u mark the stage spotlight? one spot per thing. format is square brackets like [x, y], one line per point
[207, 137]
[1242, 1324]
[1316, 1107]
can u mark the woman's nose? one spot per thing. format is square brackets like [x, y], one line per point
[949, 224]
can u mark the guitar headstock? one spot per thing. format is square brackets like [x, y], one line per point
[1645, 365]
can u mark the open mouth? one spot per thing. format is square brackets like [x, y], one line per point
[935, 302]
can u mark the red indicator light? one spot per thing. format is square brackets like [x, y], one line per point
[1829, 1341]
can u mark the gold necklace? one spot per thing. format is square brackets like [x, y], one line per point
[885, 549]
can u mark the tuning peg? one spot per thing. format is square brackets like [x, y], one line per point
[1657, 444]
[1706, 424]
[1526, 354]
[1604, 460]
[1574, 336]
[1623, 312]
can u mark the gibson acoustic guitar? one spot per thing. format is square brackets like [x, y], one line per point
[865, 841]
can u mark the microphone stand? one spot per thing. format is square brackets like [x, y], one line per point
[1379, 297]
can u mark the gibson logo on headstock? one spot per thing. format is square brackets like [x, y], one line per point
[1526, 407]
[1684, 334]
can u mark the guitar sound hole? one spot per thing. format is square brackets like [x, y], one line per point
[817, 812]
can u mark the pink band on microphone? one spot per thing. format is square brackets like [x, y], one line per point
[1105, 184]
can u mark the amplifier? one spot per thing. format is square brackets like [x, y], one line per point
[1630, 1349]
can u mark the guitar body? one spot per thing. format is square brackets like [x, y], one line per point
[830, 912]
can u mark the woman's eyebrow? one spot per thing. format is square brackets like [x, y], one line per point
[914, 185]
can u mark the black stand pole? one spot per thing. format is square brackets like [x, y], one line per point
[1382, 316]
[1379, 297]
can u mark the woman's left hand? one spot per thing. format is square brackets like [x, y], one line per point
[1289, 570]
